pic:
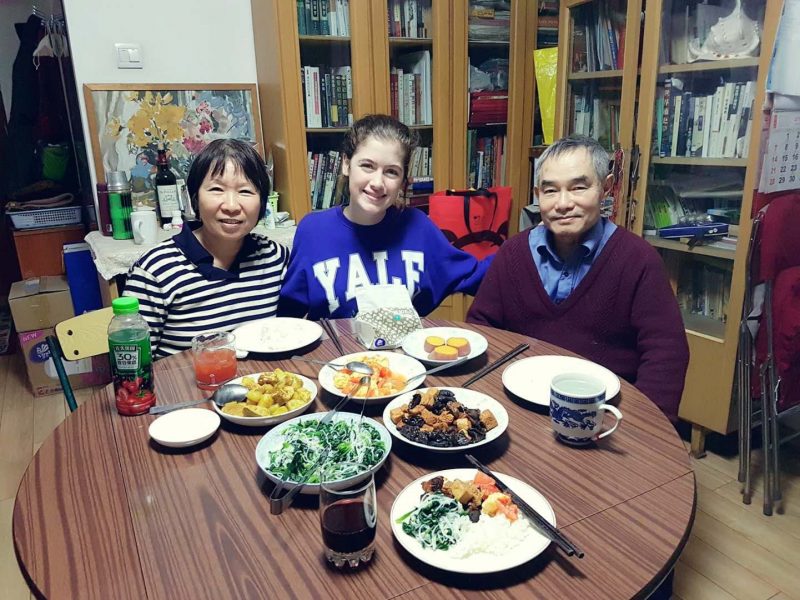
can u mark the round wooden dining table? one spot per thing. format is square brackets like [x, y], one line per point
[103, 512]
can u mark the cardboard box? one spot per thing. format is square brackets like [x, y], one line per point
[40, 302]
[42, 373]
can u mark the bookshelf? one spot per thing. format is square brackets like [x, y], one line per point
[699, 152]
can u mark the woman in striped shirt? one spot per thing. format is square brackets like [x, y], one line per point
[215, 275]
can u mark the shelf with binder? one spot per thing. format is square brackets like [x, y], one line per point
[699, 142]
[716, 65]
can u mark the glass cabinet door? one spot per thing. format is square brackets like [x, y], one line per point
[488, 53]
[702, 124]
[410, 30]
[326, 76]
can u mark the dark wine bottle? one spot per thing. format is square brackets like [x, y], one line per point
[166, 190]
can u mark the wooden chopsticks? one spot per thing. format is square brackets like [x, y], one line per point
[541, 523]
[330, 329]
[492, 366]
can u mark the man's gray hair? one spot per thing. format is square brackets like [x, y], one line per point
[598, 155]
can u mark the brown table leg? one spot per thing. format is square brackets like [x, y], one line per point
[698, 448]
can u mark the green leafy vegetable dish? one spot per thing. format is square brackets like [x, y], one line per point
[344, 440]
[438, 522]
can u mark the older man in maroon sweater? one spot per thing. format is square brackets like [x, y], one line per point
[582, 283]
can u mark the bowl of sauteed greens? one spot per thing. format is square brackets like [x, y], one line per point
[287, 452]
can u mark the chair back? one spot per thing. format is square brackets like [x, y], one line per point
[85, 335]
[779, 238]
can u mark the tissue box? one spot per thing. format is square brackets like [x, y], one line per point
[385, 328]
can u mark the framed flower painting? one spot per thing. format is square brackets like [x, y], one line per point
[128, 123]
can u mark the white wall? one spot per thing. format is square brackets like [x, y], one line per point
[11, 11]
[183, 41]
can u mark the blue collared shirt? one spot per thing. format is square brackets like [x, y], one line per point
[197, 254]
[560, 277]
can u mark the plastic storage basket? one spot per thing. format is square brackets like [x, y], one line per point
[46, 217]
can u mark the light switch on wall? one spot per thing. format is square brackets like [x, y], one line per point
[129, 56]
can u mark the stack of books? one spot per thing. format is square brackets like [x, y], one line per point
[487, 163]
[716, 122]
[488, 23]
[420, 171]
[596, 115]
[488, 108]
[323, 17]
[328, 95]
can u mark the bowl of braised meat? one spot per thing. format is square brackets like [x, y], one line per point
[445, 419]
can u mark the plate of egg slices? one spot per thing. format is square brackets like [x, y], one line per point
[438, 345]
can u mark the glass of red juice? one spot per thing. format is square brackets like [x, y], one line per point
[214, 354]
[348, 513]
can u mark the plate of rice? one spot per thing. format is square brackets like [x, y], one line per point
[457, 520]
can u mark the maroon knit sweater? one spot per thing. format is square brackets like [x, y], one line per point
[623, 314]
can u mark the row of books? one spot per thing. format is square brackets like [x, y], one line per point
[487, 159]
[420, 171]
[598, 37]
[704, 289]
[328, 95]
[323, 17]
[597, 116]
[487, 23]
[323, 176]
[692, 123]
[410, 18]
[487, 108]
[410, 88]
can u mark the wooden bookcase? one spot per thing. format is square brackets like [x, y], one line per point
[706, 275]
[371, 52]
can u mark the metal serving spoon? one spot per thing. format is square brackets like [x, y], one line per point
[230, 392]
[278, 501]
[354, 365]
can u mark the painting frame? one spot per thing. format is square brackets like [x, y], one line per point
[196, 113]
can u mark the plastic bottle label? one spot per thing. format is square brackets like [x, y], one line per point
[132, 370]
[126, 357]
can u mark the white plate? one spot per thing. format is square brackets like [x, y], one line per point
[185, 427]
[530, 377]
[534, 545]
[414, 343]
[398, 363]
[273, 440]
[277, 334]
[265, 421]
[467, 397]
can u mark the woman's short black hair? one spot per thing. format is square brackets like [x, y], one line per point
[212, 160]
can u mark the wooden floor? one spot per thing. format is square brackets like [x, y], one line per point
[734, 551]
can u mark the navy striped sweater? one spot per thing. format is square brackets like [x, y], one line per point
[182, 294]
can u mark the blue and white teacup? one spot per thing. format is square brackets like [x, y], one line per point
[577, 407]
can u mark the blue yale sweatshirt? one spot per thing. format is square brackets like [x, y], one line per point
[333, 257]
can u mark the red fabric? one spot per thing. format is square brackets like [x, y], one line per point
[786, 337]
[475, 221]
[777, 258]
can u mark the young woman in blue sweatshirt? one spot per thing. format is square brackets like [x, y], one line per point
[375, 239]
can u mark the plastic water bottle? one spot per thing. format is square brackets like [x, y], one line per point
[131, 359]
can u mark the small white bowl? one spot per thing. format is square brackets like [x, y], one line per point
[274, 420]
[185, 427]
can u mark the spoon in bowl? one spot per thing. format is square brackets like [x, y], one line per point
[356, 366]
[230, 392]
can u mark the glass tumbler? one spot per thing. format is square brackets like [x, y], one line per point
[214, 354]
[348, 513]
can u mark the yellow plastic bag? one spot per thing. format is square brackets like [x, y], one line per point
[545, 65]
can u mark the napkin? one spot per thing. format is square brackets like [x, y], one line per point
[385, 316]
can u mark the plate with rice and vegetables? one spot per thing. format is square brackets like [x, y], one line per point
[457, 520]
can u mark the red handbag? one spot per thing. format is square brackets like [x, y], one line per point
[475, 221]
